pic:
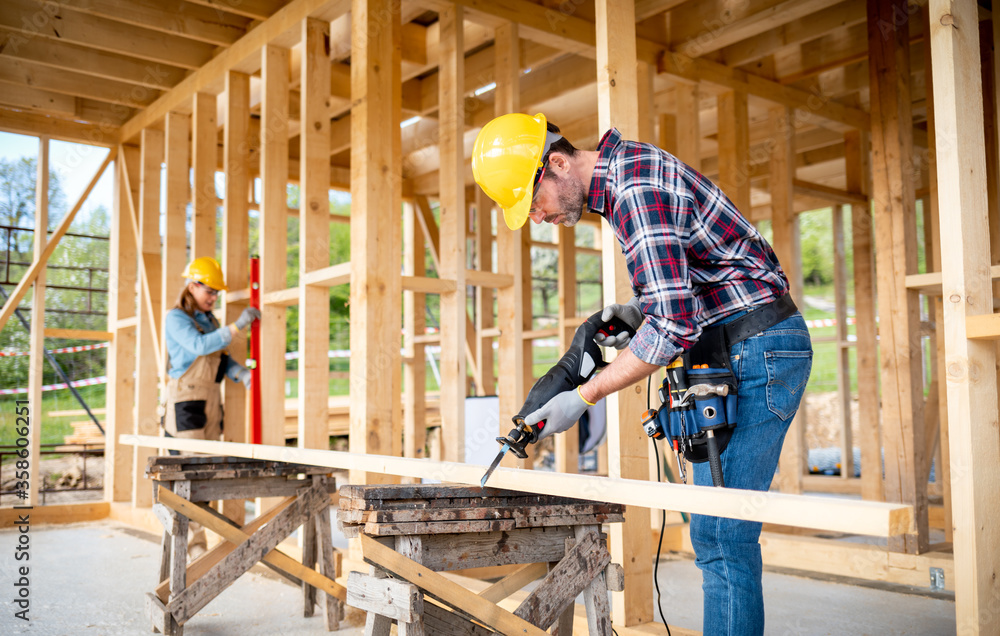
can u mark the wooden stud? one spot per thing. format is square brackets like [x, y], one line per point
[453, 231]
[414, 324]
[688, 147]
[36, 342]
[147, 334]
[896, 256]
[843, 353]
[970, 365]
[734, 149]
[856, 155]
[273, 232]
[567, 453]
[314, 236]
[176, 198]
[121, 352]
[203, 163]
[628, 457]
[375, 257]
[510, 249]
[484, 295]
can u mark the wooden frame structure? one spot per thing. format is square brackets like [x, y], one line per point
[791, 105]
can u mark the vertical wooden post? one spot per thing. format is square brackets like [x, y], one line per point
[966, 284]
[204, 161]
[178, 193]
[314, 237]
[36, 363]
[688, 147]
[628, 457]
[147, 375]
[273, 242]
[896, 256]
[734, 149]
[568, 443]
[414, 324]
[122, 277]
[451, 127]
[235, 256]
[484, 295]
[375, 255]
[667, 132]
[866, 346]
[843, 350]
[510, 247]
[785, 237]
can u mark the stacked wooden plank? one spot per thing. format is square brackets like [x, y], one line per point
[409, 509]
[195, 467]
[85, 432]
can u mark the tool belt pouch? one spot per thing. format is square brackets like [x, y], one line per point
[710, 411]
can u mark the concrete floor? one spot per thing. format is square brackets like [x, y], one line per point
[91, 578]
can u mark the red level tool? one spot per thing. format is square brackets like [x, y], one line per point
[255, 353]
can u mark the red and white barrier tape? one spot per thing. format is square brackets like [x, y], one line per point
[90, 347]
[62, 385]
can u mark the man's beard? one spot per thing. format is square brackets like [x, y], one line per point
[572, 199]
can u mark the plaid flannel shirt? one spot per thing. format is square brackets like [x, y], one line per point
[692, 257]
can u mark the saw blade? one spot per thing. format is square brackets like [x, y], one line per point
[493, 466]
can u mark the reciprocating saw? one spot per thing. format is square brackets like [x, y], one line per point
[576, 366]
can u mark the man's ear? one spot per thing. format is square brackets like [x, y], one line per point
[559, 162]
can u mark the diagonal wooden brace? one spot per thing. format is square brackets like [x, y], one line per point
[248, 551]
[581, 565]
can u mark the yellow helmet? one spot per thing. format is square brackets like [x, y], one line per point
[206, 270]
[507, 155]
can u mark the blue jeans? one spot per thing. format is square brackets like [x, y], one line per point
[772, 369]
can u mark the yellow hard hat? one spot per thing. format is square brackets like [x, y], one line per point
[206, 270]
[508, 153]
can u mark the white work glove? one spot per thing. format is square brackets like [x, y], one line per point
[244, 375]
[630, 314]
[249, 315]
[560, 413]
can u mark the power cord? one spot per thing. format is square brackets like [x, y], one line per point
[663, 517]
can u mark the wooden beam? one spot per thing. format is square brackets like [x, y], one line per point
[689, 131]
[177, 151]
[240, 56]
[800, 511]
[79, 334]
[856, 152]
[833, 195]
[971, 365]
[235, 248]
[567, 452]
[484, 295]
[414, 324]
[617, 97]
[331, 276]
[203, 164]
[26, 123]
[843, 353]
[23, 72]
[273, 237]
[375, 258]
[40, 259]
[734, 148]
[314, 236]
[36, 334]
[453, 233]
[896, 255]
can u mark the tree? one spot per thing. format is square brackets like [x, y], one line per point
[17, 197]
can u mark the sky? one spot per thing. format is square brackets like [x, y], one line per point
[75, 164]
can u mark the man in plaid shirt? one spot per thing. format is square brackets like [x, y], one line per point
[694, 261]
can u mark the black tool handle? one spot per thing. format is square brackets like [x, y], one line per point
[714, 460]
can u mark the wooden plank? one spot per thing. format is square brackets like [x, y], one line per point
[478, 278]
[687, 97]
[203, 164]
[393, 599]
[375, 258]
[741, 22]
[971, 365]
[23, 72]
[40, 259]
[79, 334]
[210, 73]
[586, 560]
[148, 330]
[25, 123]
[331, 276]
[235, 248]
[843, 353]
[567, 451]
[453, 232]
[176, 197]
[444, 589]
[896, 256]
[314, 236]
[595, 596]
[856, 153]
[273, 233]
[628, 454]
[734, 148]
[121, 353]
[823, 513]
[440, 620]
[36, 335]
[514, 582]
[414, 322]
